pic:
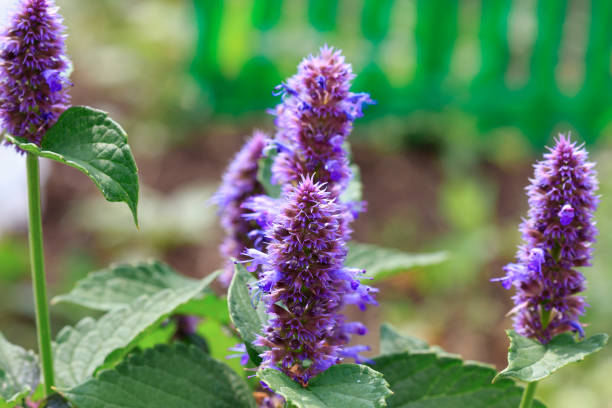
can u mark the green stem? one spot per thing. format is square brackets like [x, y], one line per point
[37, 261]
[528, 395]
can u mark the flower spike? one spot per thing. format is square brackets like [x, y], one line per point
[557, 235]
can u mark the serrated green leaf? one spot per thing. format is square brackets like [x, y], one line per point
[428, 377]
[426, 380]
[91, 344]
[392, 342]
[19, 373]
[264, 175]
[119, 285]
[248, 318]
[344, 385]
[88, 140]
[529, 360]
[385, 262]
[165, 377]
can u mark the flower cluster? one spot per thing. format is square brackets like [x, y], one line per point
[298, 241]
[33, 71]
[306, 284]
[557, 235]
[314, 121]
[239, 184]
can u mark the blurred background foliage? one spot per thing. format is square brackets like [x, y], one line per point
[469, 92]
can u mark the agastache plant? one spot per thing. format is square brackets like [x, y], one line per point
[557, 234]
[36, 118]
[240, 184]
[33, 71]
[306, 285]
[33, 93]
[557, 237]
[301, 269]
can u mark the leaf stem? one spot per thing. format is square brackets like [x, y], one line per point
[528, 395]
[37, 266]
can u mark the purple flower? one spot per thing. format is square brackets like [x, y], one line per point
[315, 119]
[557, 236]
[239, 184]
[306, 284]
[33, 71]
[241, 353]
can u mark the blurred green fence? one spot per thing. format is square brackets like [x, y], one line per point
[246, 47]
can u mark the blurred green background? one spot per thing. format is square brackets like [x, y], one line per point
[469, 92]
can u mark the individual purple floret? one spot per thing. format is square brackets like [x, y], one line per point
[33, 71]
[239, 184]
[314, 120]
[306, 285]
[557, 236]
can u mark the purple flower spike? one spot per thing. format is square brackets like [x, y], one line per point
[239, 184]
[557, 236]
[33, 71]
[315, 118]
[306, 285]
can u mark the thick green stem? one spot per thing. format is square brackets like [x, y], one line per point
[528, 395]
[37, 261]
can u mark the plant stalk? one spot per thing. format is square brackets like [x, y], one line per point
[37, 265]
[528, 395]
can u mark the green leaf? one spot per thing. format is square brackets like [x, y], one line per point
[392, 342]
[119, 285]
[88, 140]
[91, 344]
[209, 306]
[426, 380]
[385, 262]
[428, 377]
[163, 377]
[264, 175]
[248, 318]
[19, 373]
[529, 360]
[343, 385]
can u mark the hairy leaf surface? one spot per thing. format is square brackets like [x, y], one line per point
[88, 140]
[427, 377]
[19, 373]
[529, 360]
[119, 285]
[93, 344]
[163, 377]
[344, 385]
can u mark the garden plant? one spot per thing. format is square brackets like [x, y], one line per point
[293, 273]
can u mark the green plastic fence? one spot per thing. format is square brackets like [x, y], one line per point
[246, 47]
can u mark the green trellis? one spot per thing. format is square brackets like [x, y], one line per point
[535, 106]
